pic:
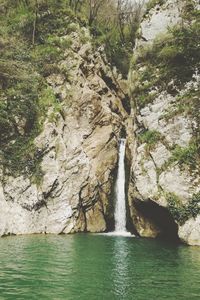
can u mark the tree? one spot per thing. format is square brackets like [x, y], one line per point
[76, 5]
[94, 7]
[129, 14]
[35, 21]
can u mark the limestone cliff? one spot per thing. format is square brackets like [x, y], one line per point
[77, 150]
[164, 84]
[62, 112]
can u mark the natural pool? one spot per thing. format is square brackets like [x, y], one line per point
[86, 266]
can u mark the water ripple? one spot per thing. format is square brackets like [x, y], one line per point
[97, 267]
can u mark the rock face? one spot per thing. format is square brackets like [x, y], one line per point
[154, 177]
[164, 134]
[78, 149]
[159, 19]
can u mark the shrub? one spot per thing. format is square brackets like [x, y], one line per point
[169, 53]
[150, 137]
[181, 213]
[187, 156]
[152, 3]
[46, 53]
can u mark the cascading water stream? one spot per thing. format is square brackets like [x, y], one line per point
[120, 206]
[120, 203]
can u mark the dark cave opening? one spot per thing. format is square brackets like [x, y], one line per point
[161, 217]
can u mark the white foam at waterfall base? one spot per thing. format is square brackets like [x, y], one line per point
[119, 233]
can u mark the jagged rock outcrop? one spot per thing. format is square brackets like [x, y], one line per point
[165, 167]
[77, 150]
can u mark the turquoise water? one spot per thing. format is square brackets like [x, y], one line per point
[100, 267]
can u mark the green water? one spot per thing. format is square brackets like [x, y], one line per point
[100, 267]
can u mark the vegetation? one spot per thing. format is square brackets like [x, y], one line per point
[152, 3]
[170, 62]
[150, 137]
[187, 104]
[183, 105]
[115, 24]
[25, 60]
[185, 156]
[181, 213]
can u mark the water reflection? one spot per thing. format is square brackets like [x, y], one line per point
[120, 275]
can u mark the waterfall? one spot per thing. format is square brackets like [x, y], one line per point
[120, 206]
